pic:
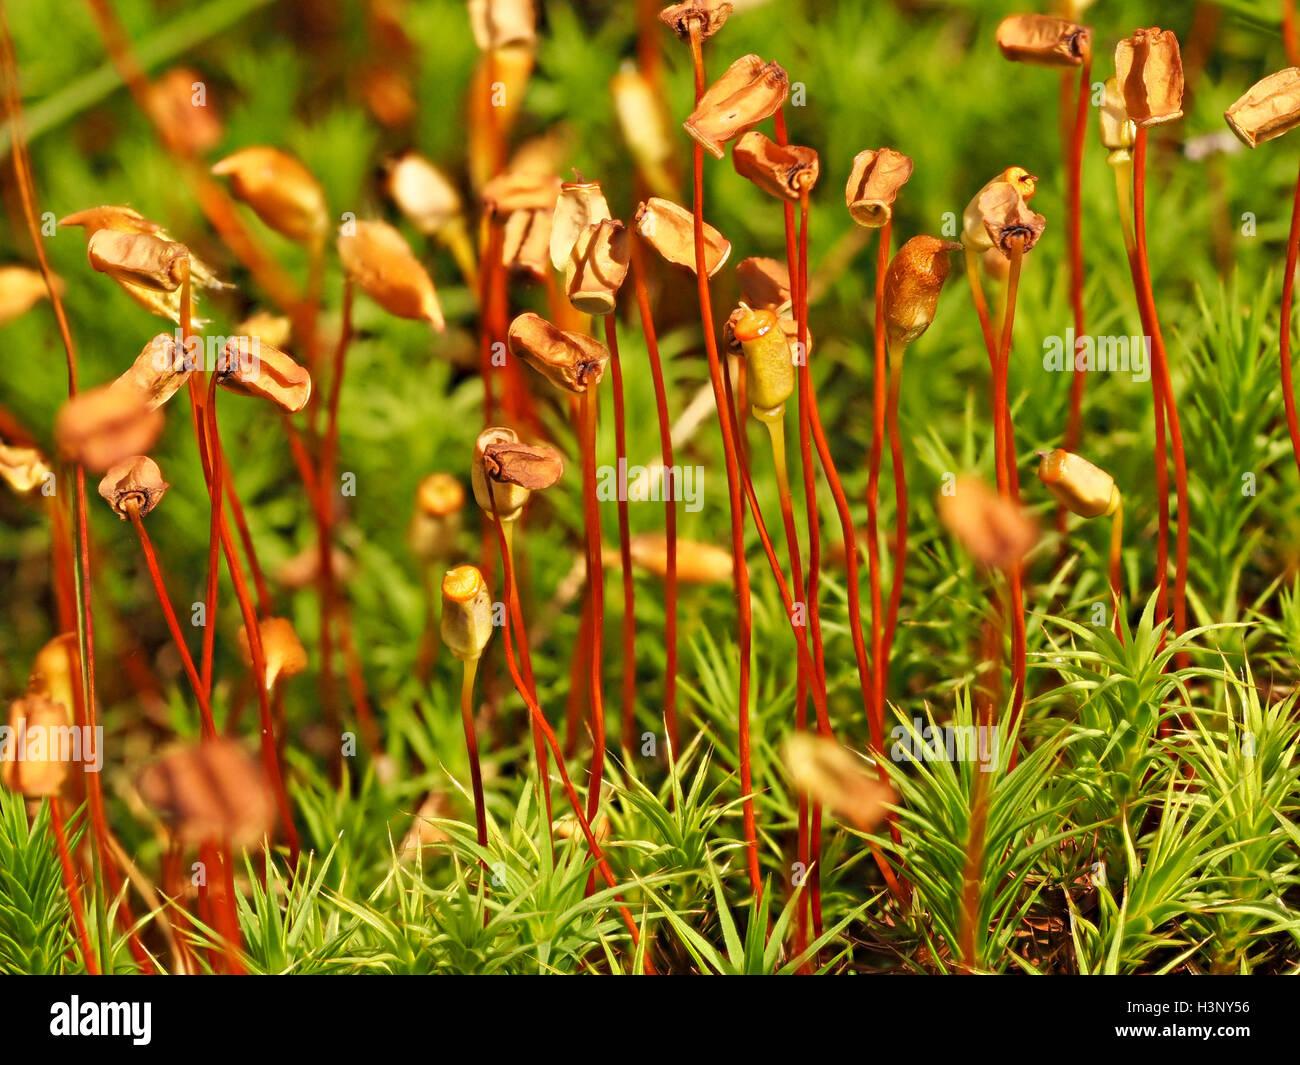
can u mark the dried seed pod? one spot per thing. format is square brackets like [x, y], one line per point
[670, 230]
[599, 267]
[912, 285]
[192, 126]
[503, 23]
[436, 523]
[763, 282]
[526, 243]
[377, 257]
[1149, 69]
[496, 93]
[138, 259]
[837, 779]
[211, 791]
[873, 185]
[158, 372]
[747, 93]
[135, 484]
[994, 531]
[273, 329]
[520, 189]
[30, 762]
[697, 563]
[466, 613]
[508, 498]
[570, 361]
[975, 232]
[1267, 109]
[1077, 484]
[100, 427]
[1044, 40]
[424, 833]
[280, 190]
[122, 219]
[1009, 220]
[252, 368]
[24, 469]
[581, 204]
[282, 652]
[706, 16]
[567, 827]
[423, 193]
[20, 290]
[786, 171]
[1117, 129]
[644, 122]
[768, 359]
[529, 466]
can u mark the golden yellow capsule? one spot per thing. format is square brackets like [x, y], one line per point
[768, 359]
[837, 779]
[1268, 109]
[670, 230]
[30, 762]
[466, 612]
[912, 285]
[1078, 485]
[280, 190]
[24, 469]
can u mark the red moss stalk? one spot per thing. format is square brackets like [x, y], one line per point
[1284, 327]
[881, 370]
[1147, 297]
[596, 597]
[744, 621]
[670, 490]
[71, 885]
[624, 540]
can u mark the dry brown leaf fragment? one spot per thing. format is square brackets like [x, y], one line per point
[785, 171]
[874, 182]
[213, 790]
[571, 361]
[993, 530]
[377, 258]
[1149, 70]
[670, 230]
[133, 485]
[837, 779]
[1268, 109]
[747, 93]
[1044, 40]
